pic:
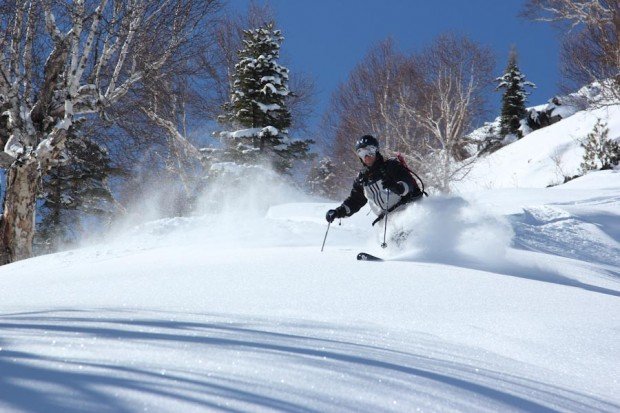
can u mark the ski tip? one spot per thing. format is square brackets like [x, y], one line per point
[363, 256]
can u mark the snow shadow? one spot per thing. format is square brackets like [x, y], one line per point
[592, 238]
[450, 230]
[250, 364]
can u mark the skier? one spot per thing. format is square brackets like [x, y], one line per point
[385, 184]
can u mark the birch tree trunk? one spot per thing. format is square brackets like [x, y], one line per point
[18, 217]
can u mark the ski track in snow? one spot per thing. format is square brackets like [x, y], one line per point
[491, 304]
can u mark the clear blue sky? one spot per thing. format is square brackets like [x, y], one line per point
[327, 38]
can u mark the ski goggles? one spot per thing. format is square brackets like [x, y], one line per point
[366, 151]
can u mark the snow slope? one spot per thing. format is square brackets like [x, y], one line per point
[502, 301]
[503, 298]
[543, 157]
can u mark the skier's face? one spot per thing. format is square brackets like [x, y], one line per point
[367, 155]
[369, 160]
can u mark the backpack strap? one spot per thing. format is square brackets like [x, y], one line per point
[401, 160]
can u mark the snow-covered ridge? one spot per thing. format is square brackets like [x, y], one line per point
[486, 139]
[542, 158]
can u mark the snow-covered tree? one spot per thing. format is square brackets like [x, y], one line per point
[75, 190]
[62, 60]
[600, 151]
[322, 179]
[257, 114]
[513, 100]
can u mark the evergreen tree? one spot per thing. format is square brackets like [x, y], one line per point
[322, 179]
[75, 190]
[600, 151]
[257, 112]
[513, 100]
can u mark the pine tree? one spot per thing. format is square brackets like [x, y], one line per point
[513, 100]
[600, 151]
[257, 111]
[75, 190]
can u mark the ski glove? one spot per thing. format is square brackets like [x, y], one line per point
[397, 187]
[332, 214]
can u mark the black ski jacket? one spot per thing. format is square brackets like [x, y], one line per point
[368, 187]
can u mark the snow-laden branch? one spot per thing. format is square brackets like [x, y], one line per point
[50, 22]
[110, 46]
[180, 147]
[171, 129]
[15, 46]
[77, 75]
[27, 56]
[179, 21]
[577, 11]
[135, 17]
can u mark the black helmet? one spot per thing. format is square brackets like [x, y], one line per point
[366, 140]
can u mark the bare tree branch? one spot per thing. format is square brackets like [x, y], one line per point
[591, 50]
[422, 105]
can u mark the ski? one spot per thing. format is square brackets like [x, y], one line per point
[363, 256]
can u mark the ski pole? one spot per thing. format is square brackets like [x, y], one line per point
[323, 246]
[387, 211]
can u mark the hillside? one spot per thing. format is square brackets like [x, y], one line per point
[503, 298]
[544, 157]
